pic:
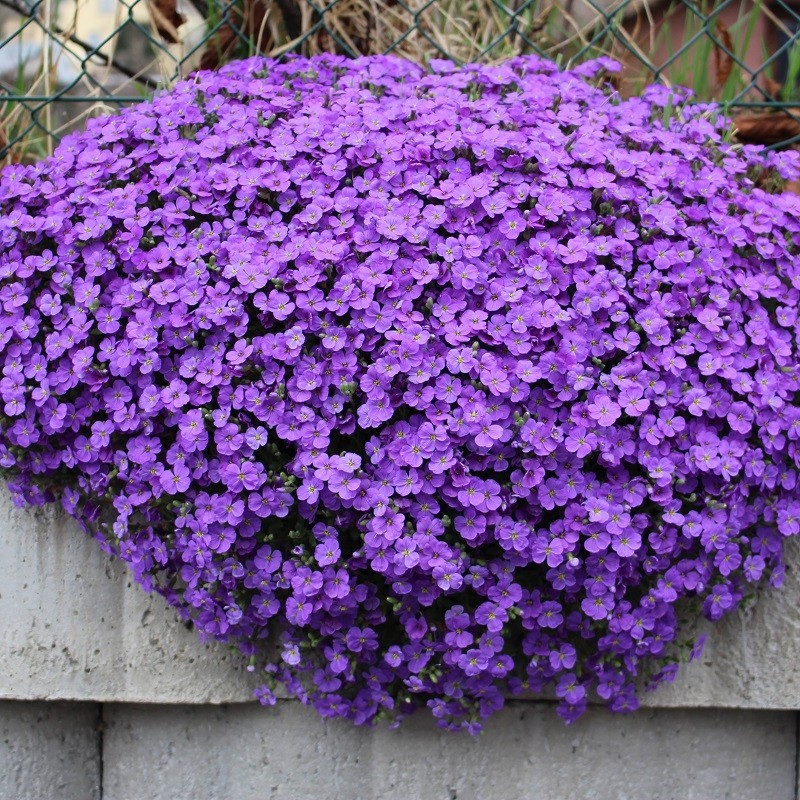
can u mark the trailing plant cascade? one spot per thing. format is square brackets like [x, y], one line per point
[457, 383]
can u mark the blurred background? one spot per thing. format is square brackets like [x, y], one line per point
[63, 60]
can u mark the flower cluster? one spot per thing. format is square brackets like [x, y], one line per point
[458, 383]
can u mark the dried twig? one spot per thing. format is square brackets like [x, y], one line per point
[90, 50]
[243, 20]
[767, 128]
[166, 18]
[773, 89]
[723, 62]
[219, 47]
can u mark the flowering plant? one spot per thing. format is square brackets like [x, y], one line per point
[457, 381]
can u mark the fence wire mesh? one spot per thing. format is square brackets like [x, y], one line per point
[62, 60]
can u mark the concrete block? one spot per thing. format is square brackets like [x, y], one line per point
[49, 751]
[74, 626]
[526, 753]
[751, 658]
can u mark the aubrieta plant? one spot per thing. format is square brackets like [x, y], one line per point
[457, 383]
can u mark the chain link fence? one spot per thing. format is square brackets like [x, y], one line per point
[62, 60]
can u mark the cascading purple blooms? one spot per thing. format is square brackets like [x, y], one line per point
[459, 383]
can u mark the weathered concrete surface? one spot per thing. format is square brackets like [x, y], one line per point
[526, 753]
[78, 751]
[751, 659]
[73, 627]
[49, 751]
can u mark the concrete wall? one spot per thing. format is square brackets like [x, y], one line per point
[88, 751]
[104, 694]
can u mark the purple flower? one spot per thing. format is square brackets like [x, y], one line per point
[332, 350]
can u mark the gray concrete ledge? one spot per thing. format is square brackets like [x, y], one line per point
[526, 753]
[74, 626]
[86, 751]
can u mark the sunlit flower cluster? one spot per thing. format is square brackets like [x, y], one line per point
[458, 383]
